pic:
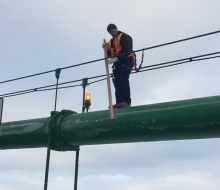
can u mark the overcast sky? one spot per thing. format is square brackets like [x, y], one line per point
[37, 36]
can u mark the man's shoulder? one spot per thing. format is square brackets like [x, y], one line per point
[125, 35]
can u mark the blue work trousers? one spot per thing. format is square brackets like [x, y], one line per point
[121, 73]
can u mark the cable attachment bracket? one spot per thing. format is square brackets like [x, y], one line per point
[135, 61]
[57, 73]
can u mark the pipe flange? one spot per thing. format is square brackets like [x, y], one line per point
[58, 142]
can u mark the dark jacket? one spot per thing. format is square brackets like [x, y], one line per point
[127, 46]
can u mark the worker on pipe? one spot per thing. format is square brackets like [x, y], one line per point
[121, 43]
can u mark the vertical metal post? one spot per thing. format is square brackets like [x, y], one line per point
[76, 169]
[1, 110]
[48, 159]
[84, 84]
[57, 74]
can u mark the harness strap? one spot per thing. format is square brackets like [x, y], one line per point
[135, 62]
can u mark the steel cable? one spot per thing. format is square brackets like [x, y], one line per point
[147, 68]
[143, 49]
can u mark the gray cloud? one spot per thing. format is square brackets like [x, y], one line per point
[40, 36]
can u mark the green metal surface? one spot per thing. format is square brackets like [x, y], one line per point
[186, 119]
[24, 134]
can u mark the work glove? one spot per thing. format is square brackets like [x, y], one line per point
[112, 60]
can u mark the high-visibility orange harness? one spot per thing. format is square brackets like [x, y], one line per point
[135, 62]
[116, 47]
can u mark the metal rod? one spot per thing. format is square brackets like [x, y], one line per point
[84, 84]
[57, 75]
[48, 159]
[76, 169]
[55, 105]
[83, 106]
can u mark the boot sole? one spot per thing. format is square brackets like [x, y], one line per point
[123, 106]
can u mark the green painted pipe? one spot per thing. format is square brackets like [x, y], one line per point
[186, 119]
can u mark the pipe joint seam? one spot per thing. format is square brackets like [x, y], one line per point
[58, 142]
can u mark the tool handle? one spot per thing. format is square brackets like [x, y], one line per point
[108, 84]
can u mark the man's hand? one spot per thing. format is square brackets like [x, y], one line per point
[112, 60]
[105, 45]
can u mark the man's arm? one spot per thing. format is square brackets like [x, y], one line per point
[127, 46]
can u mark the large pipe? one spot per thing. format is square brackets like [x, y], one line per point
[186, 119]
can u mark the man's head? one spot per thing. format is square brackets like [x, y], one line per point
[112, 29]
